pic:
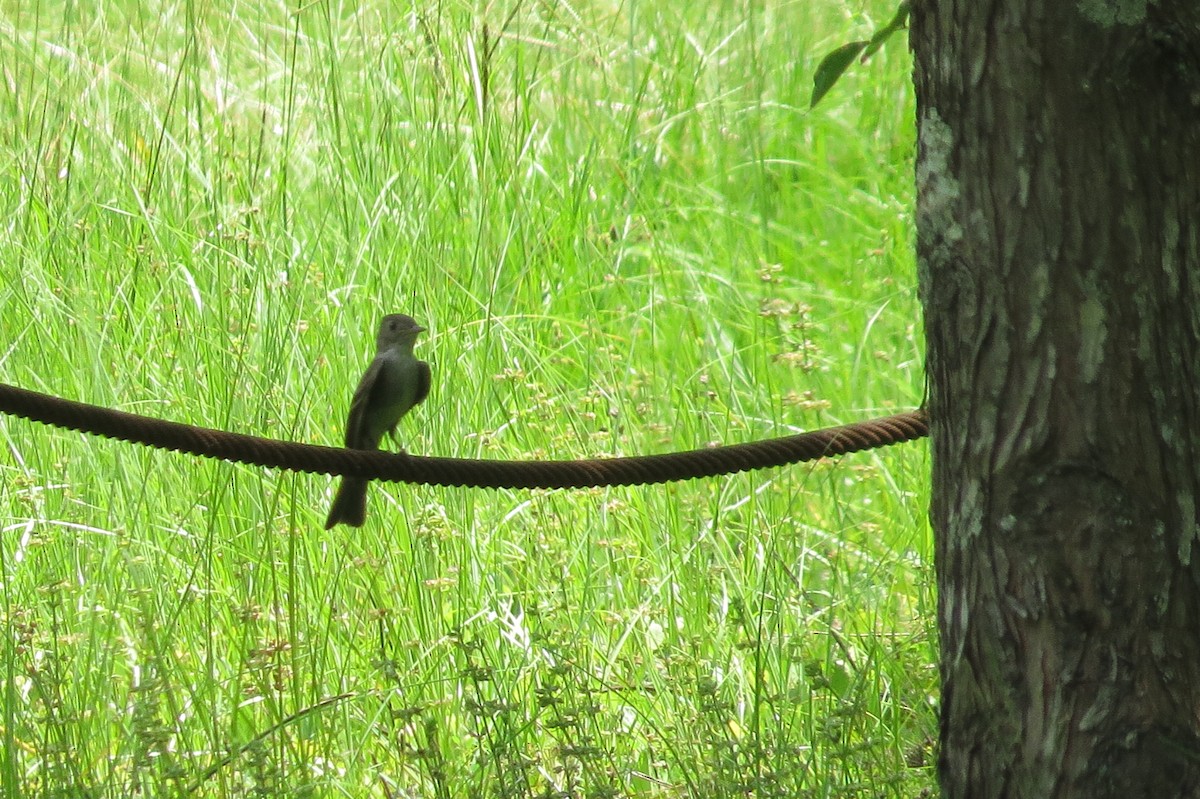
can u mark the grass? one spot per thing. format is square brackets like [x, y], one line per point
[626, 234]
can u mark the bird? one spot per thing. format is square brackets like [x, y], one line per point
[393, 384]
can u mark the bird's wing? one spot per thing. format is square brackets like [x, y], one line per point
[355, 431]
[422, 383]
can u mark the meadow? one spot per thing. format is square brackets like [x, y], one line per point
[626, 233]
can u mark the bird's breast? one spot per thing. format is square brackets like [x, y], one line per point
[395, 392]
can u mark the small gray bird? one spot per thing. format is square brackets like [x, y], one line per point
[393, 383]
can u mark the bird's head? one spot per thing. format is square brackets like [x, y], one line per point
[397, 328]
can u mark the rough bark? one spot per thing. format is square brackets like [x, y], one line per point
[1058, 220]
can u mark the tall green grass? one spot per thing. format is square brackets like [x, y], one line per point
[626, 234]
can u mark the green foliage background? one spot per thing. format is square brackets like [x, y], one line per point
[626, 234]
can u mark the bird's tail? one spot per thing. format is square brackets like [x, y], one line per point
[349, 504]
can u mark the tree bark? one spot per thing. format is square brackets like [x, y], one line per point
[1058, 244]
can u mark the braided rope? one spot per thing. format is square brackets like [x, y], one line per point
[588, 473]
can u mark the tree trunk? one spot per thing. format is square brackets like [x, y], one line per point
[1058, 220]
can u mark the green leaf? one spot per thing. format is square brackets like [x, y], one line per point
[833, 65]
[831, 68]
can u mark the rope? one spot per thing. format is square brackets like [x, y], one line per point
[401, 467]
